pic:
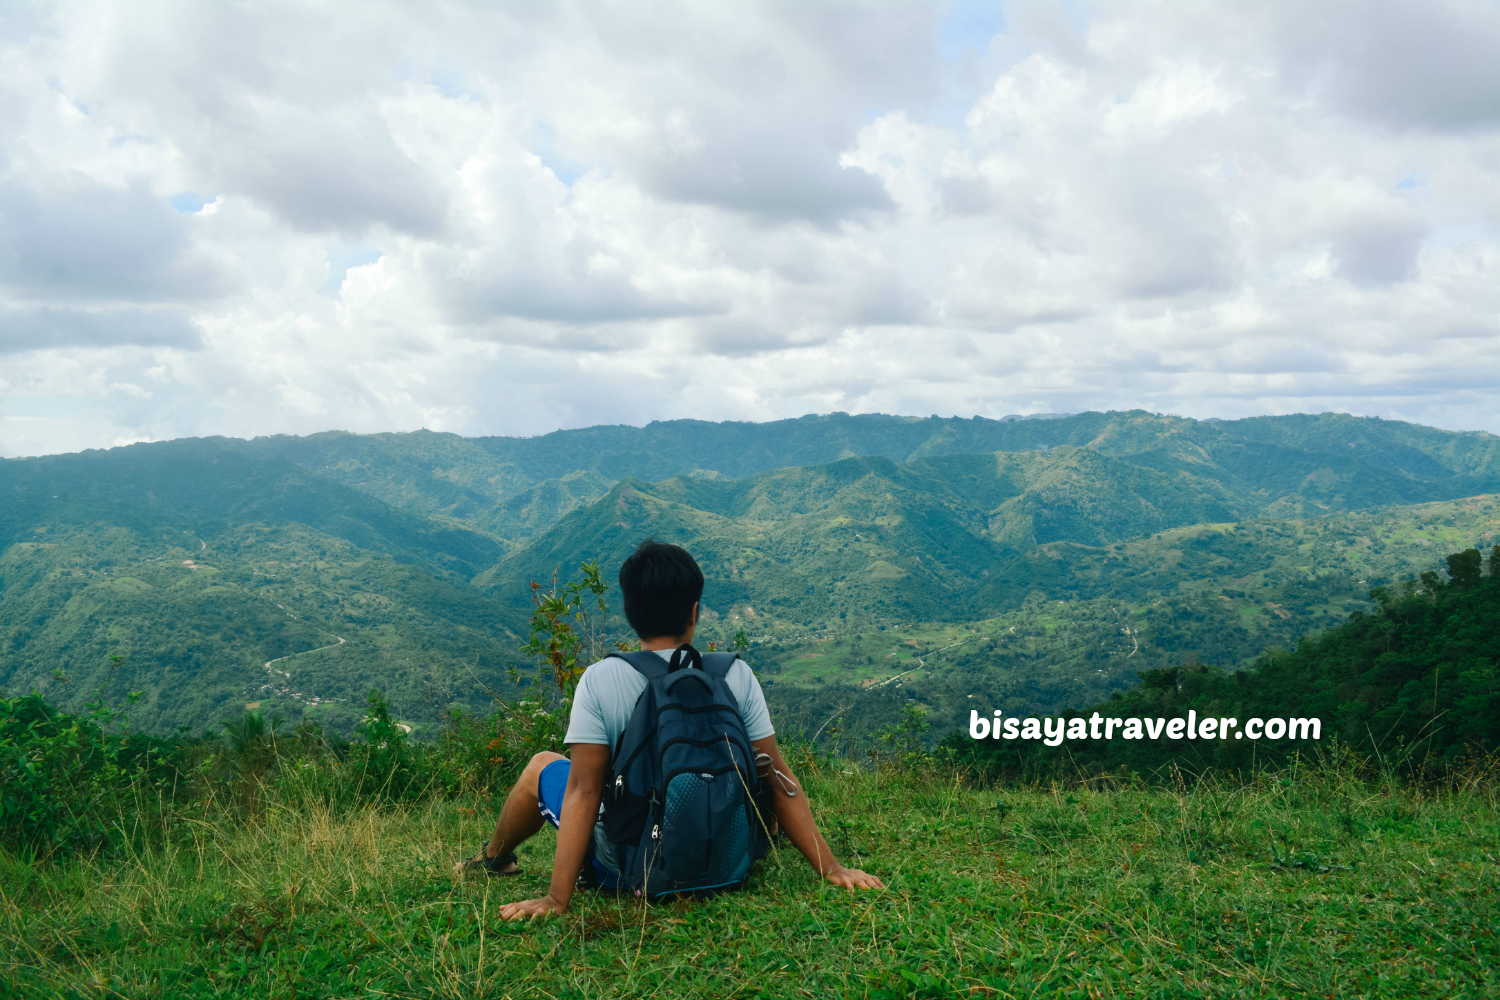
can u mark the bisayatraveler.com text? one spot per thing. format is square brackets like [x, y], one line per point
[1097, 727]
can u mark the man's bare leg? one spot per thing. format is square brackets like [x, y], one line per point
[519, 816]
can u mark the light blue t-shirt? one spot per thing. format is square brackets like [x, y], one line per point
[608, 690]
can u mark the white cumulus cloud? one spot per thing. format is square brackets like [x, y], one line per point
[508, 218]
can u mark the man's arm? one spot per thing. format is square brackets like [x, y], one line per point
[796, 819]
[575, 830]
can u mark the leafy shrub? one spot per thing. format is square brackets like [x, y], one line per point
[65, 779]
[479, 752]
[387, 765]
[903, 745]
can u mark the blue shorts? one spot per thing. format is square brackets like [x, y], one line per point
[551, 785]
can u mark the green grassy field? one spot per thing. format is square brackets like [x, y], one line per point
[1309, 882]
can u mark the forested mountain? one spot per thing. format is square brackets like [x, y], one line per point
[1209, 594]
[195, 615]
[215, 482]
[198, 561]
[1150, 539]
[513, 487]
[966, 537]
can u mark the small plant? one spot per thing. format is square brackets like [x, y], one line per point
[249, 743]
[250, 751]
[390, 767]
[477, 752]
[568, 626]
[903, 744]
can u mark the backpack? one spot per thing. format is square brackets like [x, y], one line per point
[683, 806]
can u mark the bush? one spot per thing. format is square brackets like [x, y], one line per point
[66, 779]
[902, 746]
[479, 752]
[387, 766]
[73, 783]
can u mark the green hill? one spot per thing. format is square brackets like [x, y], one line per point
[963, 538]
[200, 560]
[1417, 681]
[934, 539]
[1097, 617]
[196, 620]
[1352, 461]
[205, 485]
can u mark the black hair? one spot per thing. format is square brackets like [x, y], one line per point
[660, 584]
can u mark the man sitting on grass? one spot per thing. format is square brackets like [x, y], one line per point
[662, 587]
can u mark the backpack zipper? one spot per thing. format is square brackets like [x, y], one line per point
[677, 706]
[650, 736]
[645, 742]
[667, 780]
[734, 741]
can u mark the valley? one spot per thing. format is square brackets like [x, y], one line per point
[871, 560]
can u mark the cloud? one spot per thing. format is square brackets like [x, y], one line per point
[71, 238]
[509, 218]
[332, 173]
[1376, 252]
[52, 328]
[1427, 65]
[769, 172]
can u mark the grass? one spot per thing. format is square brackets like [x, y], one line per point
[1310, 883]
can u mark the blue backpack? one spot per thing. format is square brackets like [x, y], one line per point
[683, 806]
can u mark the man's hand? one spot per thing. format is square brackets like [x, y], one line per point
[853, 878]
[533, 908]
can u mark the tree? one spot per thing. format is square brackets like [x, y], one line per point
[1463, 568]
[250, 750]
[249, 736]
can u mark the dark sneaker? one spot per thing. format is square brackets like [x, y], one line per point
[483, 864]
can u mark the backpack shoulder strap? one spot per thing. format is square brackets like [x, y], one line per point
[647, 663]
[718, 664]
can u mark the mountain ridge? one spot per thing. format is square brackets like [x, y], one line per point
[1326, 461]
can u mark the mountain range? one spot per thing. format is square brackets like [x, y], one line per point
[410, 555]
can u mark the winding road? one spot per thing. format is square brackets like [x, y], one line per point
[303, 653]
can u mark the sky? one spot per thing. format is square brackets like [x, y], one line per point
[247, 219]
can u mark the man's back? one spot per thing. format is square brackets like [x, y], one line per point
[608, 690]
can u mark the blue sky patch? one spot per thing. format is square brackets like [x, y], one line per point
[189, 202]
[343, 256]
[969, 26]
